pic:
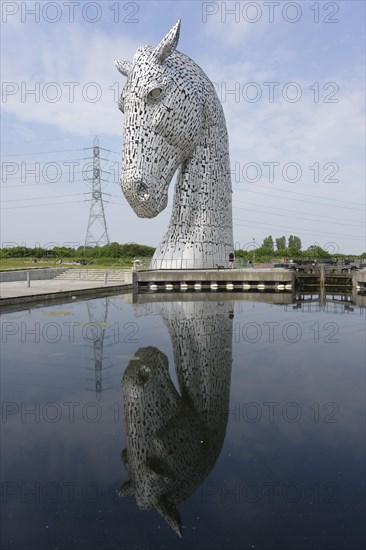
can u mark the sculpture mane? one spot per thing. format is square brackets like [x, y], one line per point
[173, 122]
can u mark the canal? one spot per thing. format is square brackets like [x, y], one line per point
[184, 421]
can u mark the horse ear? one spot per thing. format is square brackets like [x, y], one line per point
[171, 515]
[124, 67]
[168, 44]
[126, 490]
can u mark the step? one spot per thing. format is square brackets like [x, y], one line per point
[72, 274]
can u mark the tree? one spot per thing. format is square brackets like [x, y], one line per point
[281, 243]
[294, 243]
[113, 250]
[63, 251]
[317, 253]
[268, 244]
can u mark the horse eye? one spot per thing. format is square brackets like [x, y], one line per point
[143, 375]
[155, 93]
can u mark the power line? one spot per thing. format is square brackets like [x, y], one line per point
[37, 205]
[302, 194]
[14, 187]
[269, 226]
[266, 213]
[117, 203]
[299, 218]
[304, 200]
[290, 210]
[42, 198]
[41, 140]
[42, 153]
[59, 151]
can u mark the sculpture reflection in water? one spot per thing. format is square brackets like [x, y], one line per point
[175, 437]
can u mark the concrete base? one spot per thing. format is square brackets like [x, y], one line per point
[359, 279]
[223, 278]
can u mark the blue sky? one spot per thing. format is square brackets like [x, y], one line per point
[290, 76]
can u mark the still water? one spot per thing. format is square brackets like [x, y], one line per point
[234, 424]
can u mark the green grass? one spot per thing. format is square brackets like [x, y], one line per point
[20, 263]
[100, 263]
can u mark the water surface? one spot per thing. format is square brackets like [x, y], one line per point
[235, 423]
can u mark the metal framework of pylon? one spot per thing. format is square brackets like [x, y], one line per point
[98, 315]
[104, 367]
[96, 233]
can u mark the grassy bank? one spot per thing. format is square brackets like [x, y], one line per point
[100, 263]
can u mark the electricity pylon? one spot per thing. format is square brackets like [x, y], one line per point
[96, 233]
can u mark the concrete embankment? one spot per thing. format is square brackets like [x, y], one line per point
[47, 286]
[19, 292]
[35, 274]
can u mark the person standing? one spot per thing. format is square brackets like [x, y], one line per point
[231, 260]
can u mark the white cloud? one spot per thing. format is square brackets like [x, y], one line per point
[231, 55]
[82, 108]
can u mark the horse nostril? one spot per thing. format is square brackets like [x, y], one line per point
[142, 192]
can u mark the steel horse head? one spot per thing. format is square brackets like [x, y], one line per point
[173, 121]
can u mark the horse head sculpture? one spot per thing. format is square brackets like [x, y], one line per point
[175, 435]
[173, 120]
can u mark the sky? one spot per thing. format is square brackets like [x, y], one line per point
[290, 76]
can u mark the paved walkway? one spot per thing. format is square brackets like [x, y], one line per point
[18, 289]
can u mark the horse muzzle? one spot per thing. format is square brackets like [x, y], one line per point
[143, 198]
